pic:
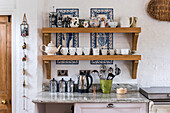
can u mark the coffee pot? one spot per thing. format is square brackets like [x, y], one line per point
[51, 49]
[83, 82]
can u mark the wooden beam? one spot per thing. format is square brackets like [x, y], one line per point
[47, 38]
[135, 41]
[91, 57]
[135, 67]
[92, 30]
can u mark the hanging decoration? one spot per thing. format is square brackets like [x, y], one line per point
[24, 33]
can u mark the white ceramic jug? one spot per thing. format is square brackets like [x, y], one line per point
[51, 49]
[125, 22]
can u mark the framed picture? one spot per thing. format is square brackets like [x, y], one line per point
[67, 39]
[102, 40]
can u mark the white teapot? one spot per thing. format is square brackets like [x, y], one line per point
[51, 49]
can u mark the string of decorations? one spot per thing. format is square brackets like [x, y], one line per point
[24, 34]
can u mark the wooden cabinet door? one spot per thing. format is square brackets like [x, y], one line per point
[5, 65]
[117, 108]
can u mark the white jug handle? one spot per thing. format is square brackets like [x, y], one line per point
[132, 21]
[41, 48]
[61, 50]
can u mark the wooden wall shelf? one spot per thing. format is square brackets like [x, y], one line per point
[135, 58]
[91, 57]
[91, 30]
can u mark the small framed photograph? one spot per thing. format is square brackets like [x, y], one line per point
[24, 29]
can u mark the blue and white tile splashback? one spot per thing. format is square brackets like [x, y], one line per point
[102, 40]
[68, 39]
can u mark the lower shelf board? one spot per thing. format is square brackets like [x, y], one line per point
[91, 57]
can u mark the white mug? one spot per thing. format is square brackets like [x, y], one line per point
[125, 51]
[104, 51]
[64, 50]
[102, 24]
[125, 22]
[118, 51]
[86, 51]
[96, 51]
[112, 52]
[72, 50]
[79, 51]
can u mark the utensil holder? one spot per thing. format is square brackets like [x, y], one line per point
[106, 85]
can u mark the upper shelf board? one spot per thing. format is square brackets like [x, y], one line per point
[91, 30]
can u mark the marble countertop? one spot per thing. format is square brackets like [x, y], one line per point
[130, 97]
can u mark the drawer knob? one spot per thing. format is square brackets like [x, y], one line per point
[110, 106]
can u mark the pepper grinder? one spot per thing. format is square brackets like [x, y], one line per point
[53, 85]
[62, 86]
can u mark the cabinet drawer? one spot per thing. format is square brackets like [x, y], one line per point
[110, 108]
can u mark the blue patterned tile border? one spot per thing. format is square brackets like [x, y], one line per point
[68, 39]
[102, 40]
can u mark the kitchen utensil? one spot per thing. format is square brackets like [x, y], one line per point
[112, 51]
[70, 86]
[117, 70]
[94, 73]
[96, 51]
[133, 20]
[79, 51]
[83, 82]
[53, 85]
[125, 22]
[94, 22]
[113, 24]
[106, 85]
[62, 86]
[121, 90]
[125, 51]
[118, 51]
[103, 68]
[64, 50]
[72, 50]
[104, 51]
[86, 51]
[74, 22]
[86, 24]
[51, 49]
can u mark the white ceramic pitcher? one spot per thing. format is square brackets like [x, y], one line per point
[125, 22]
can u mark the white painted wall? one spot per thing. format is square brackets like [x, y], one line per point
[154, 43]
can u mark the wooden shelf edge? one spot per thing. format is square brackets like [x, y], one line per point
[92, 57]
[135, 68]
[92, 30]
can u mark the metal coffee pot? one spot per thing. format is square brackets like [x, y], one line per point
[70, 86]
[83, 82]
[62, 86]
[53, 85]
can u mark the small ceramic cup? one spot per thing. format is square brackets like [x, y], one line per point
[118, 51]
[112, 51]
[104, 51]
[64, 50]
[79, 51]
[125, 51]
[72, 50]
[86, 51]
[96, 51]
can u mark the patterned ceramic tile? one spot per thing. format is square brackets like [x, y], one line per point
[68, 39]
[102, 40]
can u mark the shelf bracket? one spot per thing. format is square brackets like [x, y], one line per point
[135, 67]
[47, 39]
[135, 41]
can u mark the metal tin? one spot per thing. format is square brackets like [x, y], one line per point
[70, 86]
[52, 19]
[53, 85]
[62, 86]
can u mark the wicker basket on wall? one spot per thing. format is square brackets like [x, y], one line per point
[159, 9]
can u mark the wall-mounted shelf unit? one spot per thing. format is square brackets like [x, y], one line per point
[135, 58]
